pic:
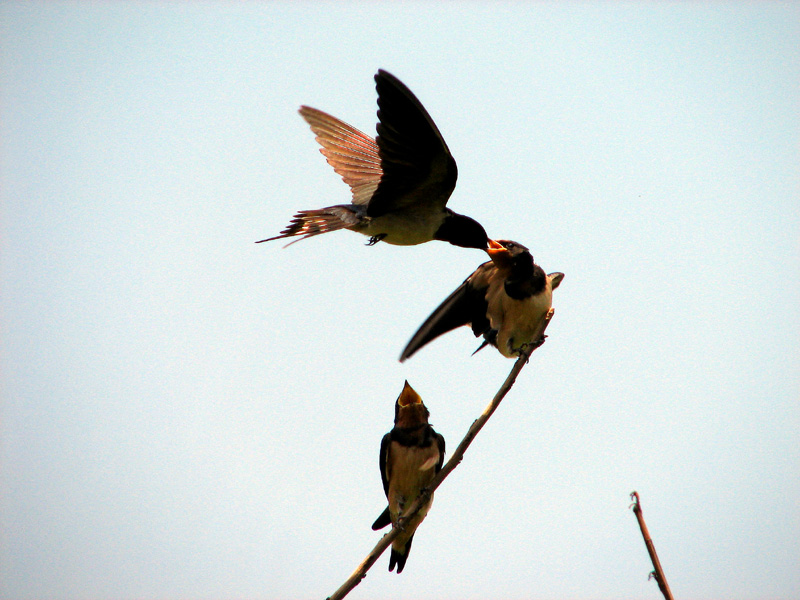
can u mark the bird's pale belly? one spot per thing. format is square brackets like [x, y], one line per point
[412, 469]
[402, 229]
[520, 321]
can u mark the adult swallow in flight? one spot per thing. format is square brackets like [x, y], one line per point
[411, 454]
[504, 300]
[400, 181]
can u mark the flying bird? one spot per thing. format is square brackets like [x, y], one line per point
[400, 181]
[505, 300]
[411, 454]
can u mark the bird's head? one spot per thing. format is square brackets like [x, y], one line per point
[462, 231]
[505, 253]
[409, 410]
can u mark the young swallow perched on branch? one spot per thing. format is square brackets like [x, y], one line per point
[504, 300]
[400, 181]
[411, 454]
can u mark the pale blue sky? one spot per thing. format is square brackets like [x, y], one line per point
[186, 414]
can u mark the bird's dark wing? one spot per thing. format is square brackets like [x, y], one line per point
[351, 153]
[417, 165]
[465, 306]
[383, 461]
[385, 518]
[440, 443]
[555, 279]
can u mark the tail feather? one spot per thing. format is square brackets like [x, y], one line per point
[308, 223]
[383, 520]
[489, 338]
[398, 558]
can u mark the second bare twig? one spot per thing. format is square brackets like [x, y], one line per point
[658, 572]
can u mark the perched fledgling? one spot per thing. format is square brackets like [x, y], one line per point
[504, 300]
[400, 181]
[411, 454]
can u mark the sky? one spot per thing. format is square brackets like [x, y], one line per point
[187, 414]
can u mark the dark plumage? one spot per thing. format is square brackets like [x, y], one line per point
[400, 181]
[504, 300]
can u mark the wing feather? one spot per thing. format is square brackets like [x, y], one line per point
[416, 162]
[440, 444]
[465, 306]
[351, 153]
[385, 517]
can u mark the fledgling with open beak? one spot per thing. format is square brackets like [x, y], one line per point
[400, 181]
[505, 300]
[411, 454]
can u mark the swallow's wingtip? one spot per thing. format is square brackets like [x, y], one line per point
[556, 279]
[383, 520]
[384, 75]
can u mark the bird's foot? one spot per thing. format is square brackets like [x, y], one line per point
[375, 239]
[529, 348]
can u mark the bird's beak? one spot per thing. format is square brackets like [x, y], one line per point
[498, 253]
[408, 396]
[495, 248]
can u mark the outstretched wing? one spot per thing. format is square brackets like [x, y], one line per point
[465, 306]
[351, 153]
[416, 162]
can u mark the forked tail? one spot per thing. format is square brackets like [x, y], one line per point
[308, 223]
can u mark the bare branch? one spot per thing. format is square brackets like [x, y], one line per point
[361, 572]
[658, 572]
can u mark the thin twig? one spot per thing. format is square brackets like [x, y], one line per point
[361, 572]
[658, 573]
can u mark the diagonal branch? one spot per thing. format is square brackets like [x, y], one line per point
[361, 571]
[658, 572]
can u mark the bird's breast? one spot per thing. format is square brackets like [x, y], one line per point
[411, 469]
[516, 321]
[407, 227]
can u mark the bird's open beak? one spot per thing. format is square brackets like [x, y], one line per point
[498, 253]
[408, 396]
[495, 246]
